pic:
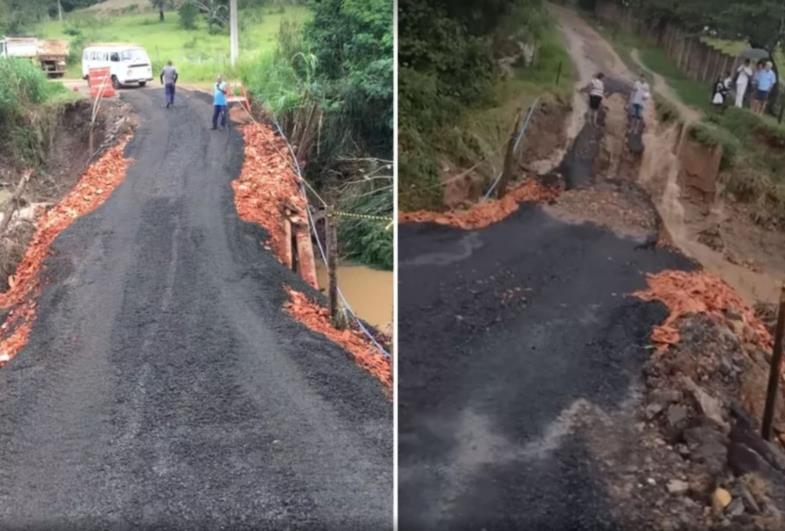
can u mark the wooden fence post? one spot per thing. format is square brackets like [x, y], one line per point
[332, 270]
[775, 371]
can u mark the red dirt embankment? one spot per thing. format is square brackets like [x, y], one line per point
[687, 293]
[93, 188]
[483, 214]
[268, 193]
[317, 318]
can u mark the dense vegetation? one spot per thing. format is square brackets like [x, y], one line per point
[24, 97]
[330, 85]
[448, 54]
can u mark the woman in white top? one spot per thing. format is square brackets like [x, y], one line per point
[596, 93]
[743, 76]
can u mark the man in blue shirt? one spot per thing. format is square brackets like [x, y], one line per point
[766, 79]
[219, 103]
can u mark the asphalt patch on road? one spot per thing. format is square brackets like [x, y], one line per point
[502, 332]
[163, 386]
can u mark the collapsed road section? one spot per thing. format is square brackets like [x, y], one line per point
[163, 384]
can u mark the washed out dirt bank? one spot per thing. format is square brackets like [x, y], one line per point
[683, 450]
[75, 194]
[162, 384]
[488, 212]
[90, 192]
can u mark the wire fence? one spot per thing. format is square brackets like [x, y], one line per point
[312, 224]
[305, 186]
[519, 138]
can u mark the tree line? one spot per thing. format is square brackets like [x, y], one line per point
[761, 23]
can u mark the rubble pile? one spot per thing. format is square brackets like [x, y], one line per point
[699, 422]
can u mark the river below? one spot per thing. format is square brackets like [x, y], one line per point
[368, 291]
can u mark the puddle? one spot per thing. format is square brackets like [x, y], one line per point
[368, 291]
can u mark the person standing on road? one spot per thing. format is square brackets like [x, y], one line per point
[743, 77]
[640, 94]
[219, 103]
[596, 94]
[766, 81]
[168, 80]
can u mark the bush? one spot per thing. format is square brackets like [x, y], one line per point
[23, 89]
[188, 13]
[711, 135]
[666, 111]
[22, 84]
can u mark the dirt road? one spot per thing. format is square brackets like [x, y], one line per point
[164, 387]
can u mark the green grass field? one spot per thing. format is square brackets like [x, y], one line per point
[199, 55]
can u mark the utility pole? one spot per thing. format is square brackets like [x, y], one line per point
[60, 10]
[234, 37]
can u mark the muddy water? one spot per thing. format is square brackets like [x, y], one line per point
[368, 291]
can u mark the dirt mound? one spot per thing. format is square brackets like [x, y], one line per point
[317, 318]
[688, 293]
[486, 213]
[620, 209]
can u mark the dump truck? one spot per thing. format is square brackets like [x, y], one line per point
[50, 54]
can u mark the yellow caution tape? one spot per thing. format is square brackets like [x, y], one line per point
[360, 216]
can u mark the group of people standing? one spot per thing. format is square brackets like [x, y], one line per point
[757, 83]
[169, 78]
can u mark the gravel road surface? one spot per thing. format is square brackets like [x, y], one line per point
[163, 387]
[504, 333]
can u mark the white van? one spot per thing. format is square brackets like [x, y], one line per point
[128, 63]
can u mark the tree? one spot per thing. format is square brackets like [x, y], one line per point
[159, 5]
[215, 11]
[188, 13]
[353, 44]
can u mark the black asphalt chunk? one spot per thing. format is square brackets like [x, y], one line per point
[503, 330]
[163, 387]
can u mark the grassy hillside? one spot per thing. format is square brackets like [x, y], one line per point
[198, 54]
[478, 124]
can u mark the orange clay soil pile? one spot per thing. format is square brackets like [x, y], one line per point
[353, 341]
[488, 212]
[268, 187]
[92, 189]
[687, 293]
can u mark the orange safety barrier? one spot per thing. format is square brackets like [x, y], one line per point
[100, 82]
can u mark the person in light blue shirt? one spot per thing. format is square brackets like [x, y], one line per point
[219, 103]
[766, 79]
